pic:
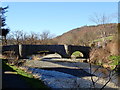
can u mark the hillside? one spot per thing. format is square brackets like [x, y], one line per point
[87, 34]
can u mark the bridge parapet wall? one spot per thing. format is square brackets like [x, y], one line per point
[64, 50]
[26, 50]
[11, 48]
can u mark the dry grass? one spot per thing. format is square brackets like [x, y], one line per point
[100, 56]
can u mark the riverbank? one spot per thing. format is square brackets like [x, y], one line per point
[65, 73]
[59, 79]
[76, 69]
[12, 79]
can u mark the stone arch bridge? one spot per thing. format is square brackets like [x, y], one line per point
[64, 50]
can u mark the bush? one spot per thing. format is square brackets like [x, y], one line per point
[115, 60]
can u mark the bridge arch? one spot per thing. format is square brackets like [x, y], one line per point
[43, 55]
[83, 49]
[64, 50]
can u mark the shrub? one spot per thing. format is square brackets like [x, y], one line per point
[115, 60]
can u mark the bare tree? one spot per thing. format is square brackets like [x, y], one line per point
[106, 73]
[17, 37]
[101, 19]
[32, 38]
[20, 37]
[46, 37]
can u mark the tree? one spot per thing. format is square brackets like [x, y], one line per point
[18, 37]
[101, 19]
[32, 38]
[101, 55]
[3, 31]
[46, 37]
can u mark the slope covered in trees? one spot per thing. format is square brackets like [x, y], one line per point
[87, 34]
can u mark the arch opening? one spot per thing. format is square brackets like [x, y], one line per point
[77, 54]
[43, 54]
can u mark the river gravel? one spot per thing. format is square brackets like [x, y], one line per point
[55, 79]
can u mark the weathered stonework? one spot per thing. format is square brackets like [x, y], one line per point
[64, 50]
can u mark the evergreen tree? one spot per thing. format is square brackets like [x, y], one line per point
[3, 31]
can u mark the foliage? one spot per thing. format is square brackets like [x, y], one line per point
[115, 60]
[5, 67]
[35, 83]
[106, 72]
[3, 31]
[77, 54]
[23, 73]
[106, 38]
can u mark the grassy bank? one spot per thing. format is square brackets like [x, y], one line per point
[106, 38]
[34, 83]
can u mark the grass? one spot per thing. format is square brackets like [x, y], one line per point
[34, 83]
[115, 60]
[77, 54]
[21, 72]
[5, 67]
[106, 38]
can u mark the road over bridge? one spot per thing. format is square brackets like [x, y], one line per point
[64, 50]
